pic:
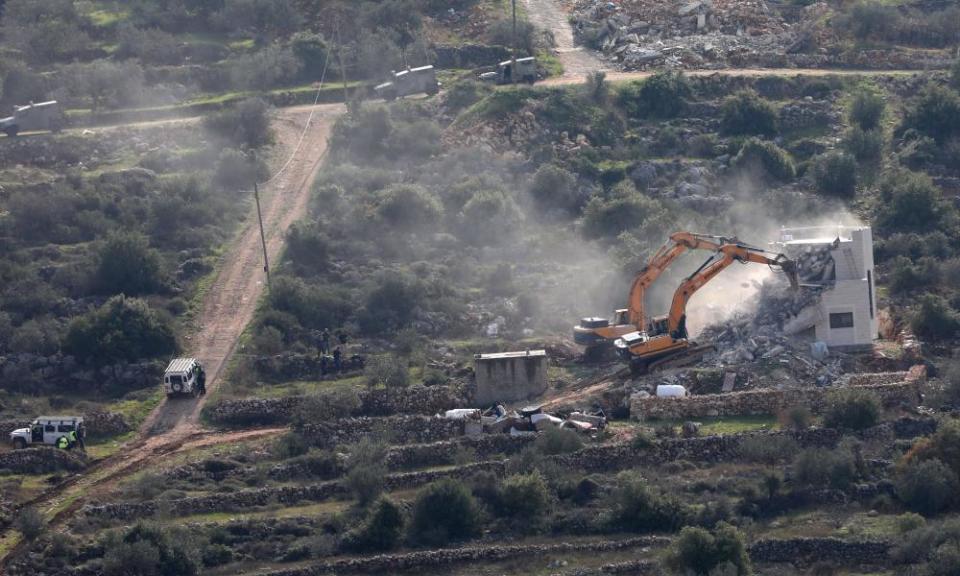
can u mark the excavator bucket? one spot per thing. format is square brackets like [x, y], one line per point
[789, 267]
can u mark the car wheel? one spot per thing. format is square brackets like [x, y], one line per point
[177, 388]
[19, 443]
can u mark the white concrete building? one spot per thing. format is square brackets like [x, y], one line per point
[846, 314]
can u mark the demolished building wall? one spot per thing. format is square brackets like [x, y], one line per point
[509, 376]
[845, 315]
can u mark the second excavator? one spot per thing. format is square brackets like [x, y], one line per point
[597, 334]
[665, 342]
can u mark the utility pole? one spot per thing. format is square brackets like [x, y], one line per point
[513, 47]
[343, 71]
[256, 197]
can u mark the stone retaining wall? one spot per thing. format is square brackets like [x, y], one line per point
[756, 402]
[395, 429]
[810, 550]
[41, 461]
[392, 563]
[614, 457]
[379, 402]
[443, 452]
[28, 371]
[286, 495]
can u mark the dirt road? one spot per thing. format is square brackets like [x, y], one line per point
[228, 307]
[232, 298]
[577, 61]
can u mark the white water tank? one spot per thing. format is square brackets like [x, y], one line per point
[671, 391]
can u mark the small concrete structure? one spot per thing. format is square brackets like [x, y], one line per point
[845, 316]
[509, 376]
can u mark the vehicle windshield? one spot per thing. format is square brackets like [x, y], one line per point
[176, 379]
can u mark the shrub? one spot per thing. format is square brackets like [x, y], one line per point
[409, 208]
[465, 94]
[872, 19]
[910, 201]
[444, 511]
[381, 530]
[290, 445]
[127, 265]
[366, 470]
[866, 109]
[151, 46]
[236, 171]
[555, 187]
[524, 496]
[314, 306]
[865, 145]
[489, 217]
[935, 112]
[926, 486]
[852, 409]
[390, 303]
[245, 125]
[554, 441]
[635, 508]
[307, 248]
[327, 406]
[835, 173]
[934, 319]
[905, 277]
[747, 113]
[818, 467]
[701, 552]
[30, 523]
[663, 95]
[122, 329]
[768, 450]
[626, 210]
[500, 33]
[597, 88]
[387, 371]
[148, 550]
[766, 156]
[796, 418]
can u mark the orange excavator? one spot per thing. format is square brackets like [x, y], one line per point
[665, 343]
[596, 334]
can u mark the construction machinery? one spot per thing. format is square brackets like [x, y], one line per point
[598, 334]
[665, 343]
[511, 71]
[409, 81]
[40, 116]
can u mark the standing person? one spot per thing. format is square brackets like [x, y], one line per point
[325, 341]
[202, 381]
[342, 336]
[72, 440]
[337, 359]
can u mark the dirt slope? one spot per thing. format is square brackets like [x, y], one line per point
[549, 15]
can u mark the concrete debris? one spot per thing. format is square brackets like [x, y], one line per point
[497, 420]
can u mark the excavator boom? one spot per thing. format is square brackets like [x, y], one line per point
[594, 331]
[641, 348]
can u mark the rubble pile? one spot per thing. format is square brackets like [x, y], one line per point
[683, 33]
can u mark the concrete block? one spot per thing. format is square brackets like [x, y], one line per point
[510, 376]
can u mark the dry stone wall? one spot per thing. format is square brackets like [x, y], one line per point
[809, 550]
[756, 402]
[395, 429]
[393, 563]
[41, 460]
[379, 402]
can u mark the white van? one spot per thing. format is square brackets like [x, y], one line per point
[47, 430]
[182, 377]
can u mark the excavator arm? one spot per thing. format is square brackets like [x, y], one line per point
[679, 243]
[725, 256]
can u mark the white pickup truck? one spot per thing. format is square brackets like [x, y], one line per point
[41, 116]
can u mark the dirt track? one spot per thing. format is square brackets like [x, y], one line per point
[577, 61]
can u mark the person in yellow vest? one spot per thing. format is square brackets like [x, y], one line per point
[63, 443]
[72, 439]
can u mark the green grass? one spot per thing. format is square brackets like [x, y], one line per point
[726, 425]
[106, 18]
[551, 64]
